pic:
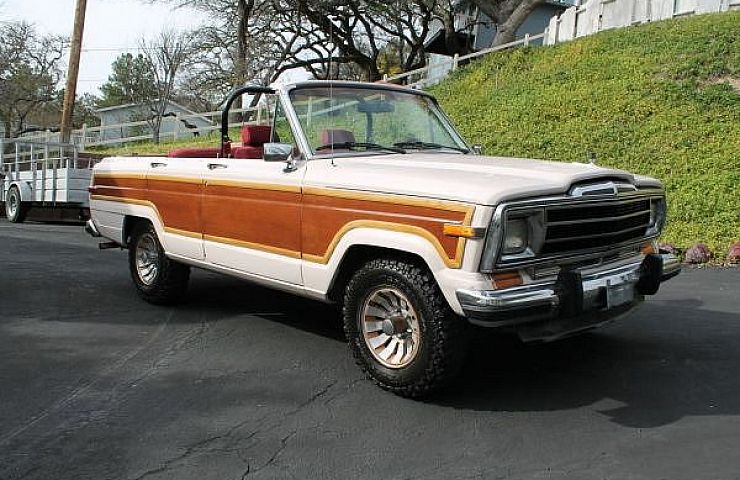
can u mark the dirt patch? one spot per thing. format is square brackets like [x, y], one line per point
[734, 82]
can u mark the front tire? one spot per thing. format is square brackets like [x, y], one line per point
[401, 330]
[158, 279]
[15, 209]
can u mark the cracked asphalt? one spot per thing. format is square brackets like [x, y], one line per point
[246, 383]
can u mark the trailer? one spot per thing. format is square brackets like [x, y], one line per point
[47, 178]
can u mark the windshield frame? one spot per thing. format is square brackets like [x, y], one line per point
[303, 143]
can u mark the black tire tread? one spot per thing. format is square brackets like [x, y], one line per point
[449, 333]
[22, 209]
[172, 282]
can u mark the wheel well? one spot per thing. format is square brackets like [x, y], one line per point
[18, 186]
[358, 255]
[129, 222]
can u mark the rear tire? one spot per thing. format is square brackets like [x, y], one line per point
[15, 209]
[158, 279]
[401, 330]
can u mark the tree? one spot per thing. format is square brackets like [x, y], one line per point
[508, 15]
[358, 32]
[233, 51]
[165, 57]
[29, 74]
[131, 81]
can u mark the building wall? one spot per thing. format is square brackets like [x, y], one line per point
[535, 24]
[134, 114]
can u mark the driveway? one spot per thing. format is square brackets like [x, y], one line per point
[243, 382]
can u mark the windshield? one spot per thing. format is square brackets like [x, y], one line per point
[346, 119]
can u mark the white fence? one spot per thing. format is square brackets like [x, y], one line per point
[421, 77]
[595, 16]
[130, 132]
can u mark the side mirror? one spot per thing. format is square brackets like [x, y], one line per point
[277, 152]
[478, 149]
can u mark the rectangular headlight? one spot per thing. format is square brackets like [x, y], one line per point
[657, 216]
[516, 236]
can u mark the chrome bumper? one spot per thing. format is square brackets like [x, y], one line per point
[573, 294]
[91, 229]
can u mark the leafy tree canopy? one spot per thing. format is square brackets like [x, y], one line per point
[131, 81]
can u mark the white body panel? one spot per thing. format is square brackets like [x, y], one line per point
[189, 168]
[247, 171]
[467, 178]
[109, 216]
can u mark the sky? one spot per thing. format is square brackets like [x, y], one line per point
[112, 27]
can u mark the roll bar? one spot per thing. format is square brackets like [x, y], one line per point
[251, 89]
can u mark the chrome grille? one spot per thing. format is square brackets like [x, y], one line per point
[580, 227]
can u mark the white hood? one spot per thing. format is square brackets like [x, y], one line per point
[468, 178]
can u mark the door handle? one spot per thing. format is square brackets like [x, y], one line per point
[158, 164]
[213, 166]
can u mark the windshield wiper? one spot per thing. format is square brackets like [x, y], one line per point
[429, 146]
[353, 145]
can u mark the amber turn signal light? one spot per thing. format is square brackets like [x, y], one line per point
[454, 230]
[648, 248]
[506, 280]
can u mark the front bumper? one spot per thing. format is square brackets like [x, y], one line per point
[575, 294]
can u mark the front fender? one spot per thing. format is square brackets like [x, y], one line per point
[319, 276]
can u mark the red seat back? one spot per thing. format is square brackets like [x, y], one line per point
[334, 135]
[255, 135]
[254, 138]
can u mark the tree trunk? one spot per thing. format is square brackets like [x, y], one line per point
[156, 127]
[452, 42]
[506, 30]
[240, 62]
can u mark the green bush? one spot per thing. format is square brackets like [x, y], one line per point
[660, 99]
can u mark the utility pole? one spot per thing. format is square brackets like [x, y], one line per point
[70, 91]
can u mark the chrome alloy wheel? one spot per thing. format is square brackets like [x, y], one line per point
[390, 327]
[147, 259]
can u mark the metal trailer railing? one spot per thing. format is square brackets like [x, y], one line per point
[44, 174]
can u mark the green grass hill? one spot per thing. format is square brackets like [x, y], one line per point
[661, 99]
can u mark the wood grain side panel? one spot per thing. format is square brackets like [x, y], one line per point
[123, 187]
[179, 203]
[325, 216]
[270, 218]
[284, 221]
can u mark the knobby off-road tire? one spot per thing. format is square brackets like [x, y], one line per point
[158, 279]
[15, 210]
[407, 302]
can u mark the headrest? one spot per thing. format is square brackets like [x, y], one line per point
[256, 135]
[331, 136]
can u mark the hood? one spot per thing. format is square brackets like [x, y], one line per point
[467, 178]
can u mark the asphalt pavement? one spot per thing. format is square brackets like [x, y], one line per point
[247, 383]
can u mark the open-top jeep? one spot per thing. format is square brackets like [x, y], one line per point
[365, 195]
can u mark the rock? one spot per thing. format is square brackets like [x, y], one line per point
[733, 256]
[699, 253]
